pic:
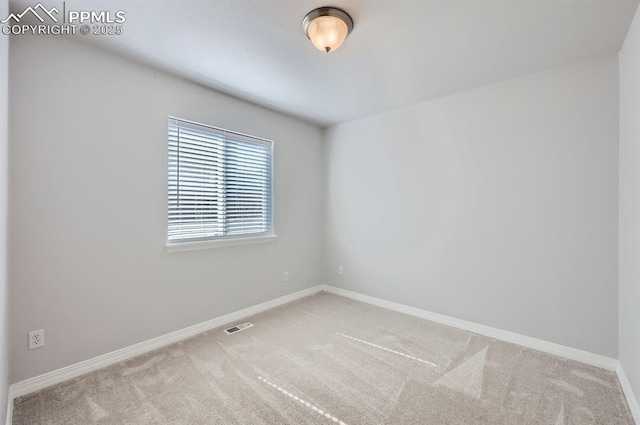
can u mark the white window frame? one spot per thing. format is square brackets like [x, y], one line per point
[227, 240]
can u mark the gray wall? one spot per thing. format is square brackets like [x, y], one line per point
[4, 287]
[497, 206]
[629, 236]
[88, 206]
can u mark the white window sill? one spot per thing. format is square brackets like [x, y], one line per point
[218, 243]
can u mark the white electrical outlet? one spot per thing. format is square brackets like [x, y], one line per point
[36, 339]
[286, 276]
[340, 270]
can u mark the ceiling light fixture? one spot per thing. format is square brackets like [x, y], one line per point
[327, 27]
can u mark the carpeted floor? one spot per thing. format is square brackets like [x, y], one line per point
[327, 359]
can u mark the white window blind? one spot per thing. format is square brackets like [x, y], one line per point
[220, 184]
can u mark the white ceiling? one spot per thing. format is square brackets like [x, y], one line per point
[400, 52]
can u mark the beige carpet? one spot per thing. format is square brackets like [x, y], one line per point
[327, 359]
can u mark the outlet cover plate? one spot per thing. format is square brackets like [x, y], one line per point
[36, 339]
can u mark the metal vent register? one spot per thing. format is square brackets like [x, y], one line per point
[238, 328]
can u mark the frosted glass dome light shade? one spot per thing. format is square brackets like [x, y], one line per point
[327, 33]
[327, 28]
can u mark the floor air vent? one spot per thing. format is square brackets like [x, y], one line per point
[238, 328]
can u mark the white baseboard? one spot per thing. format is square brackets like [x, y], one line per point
[632, 401]
[10, 398]
[51, 378]
[514, 338]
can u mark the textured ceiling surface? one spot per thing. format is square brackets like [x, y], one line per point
[400, 52]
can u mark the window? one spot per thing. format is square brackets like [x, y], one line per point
[220, 184]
